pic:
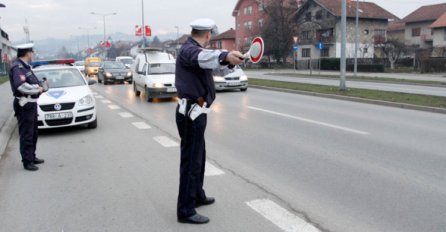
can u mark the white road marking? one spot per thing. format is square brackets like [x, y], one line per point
[106, 101]
[211, 170]
[114, 107]
[281, 217]
[126, 115]
[310, 121]
[165, 141]
[99, 97]
[141, 125]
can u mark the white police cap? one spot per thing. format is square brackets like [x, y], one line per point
[203, 24]
[27, 46]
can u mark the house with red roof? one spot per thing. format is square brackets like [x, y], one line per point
[319, 23]
[425, 27]
[225, 40]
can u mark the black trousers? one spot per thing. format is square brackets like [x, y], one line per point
[27, 120]
[193, 159]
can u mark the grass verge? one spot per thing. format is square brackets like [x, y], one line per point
[407, 98]
[3, 79]
[362, 78]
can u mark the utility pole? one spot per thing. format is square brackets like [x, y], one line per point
[178, 40]
[356, 38]
[103, 19]
[343, 86]
[143, 29]
[88, 35]
[26, 29]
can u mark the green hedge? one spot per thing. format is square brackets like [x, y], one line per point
[433, 65]
[335, 64]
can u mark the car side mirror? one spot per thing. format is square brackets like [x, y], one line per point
[91, 82]
[101, 70]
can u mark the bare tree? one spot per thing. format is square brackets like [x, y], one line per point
[393, 50]
[278, 30]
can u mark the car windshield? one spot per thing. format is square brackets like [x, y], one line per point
[60, 78]
[126, 61]
[224, 71]
[79, 63]
[163, 68]
[94, 64]
[114, 65]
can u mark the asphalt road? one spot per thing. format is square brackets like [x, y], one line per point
[402, 88]
[277, 158]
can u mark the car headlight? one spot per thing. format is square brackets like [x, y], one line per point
[129, 74]
[157, 85]
[244, 78]
[108, 74]
[86, 101]
[219, 79]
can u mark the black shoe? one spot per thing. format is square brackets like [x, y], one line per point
[207, 201]
[194, 219]
[30, 167]
[38, 161]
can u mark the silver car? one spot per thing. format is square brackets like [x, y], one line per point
[226, 79]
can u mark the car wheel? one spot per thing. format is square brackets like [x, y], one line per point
[130, 82]
[94, 124]
[99, 80]
[137, 93]
[105, 82]
[244, 90]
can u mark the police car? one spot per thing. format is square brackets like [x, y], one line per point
[69, 101]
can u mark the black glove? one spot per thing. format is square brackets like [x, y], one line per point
[44, 85]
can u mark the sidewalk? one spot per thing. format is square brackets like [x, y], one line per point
[7, 120]
[440, 77]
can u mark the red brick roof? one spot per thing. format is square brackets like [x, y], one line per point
[441, 22]
[426, 13]
[396, 25]
[229, 34]
[370, 10]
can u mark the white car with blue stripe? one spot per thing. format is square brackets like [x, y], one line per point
[69, 100]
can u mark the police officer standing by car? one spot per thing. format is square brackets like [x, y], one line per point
[26, 89]
[196, 90]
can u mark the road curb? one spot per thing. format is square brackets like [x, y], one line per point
[355, 99]
[6, 132]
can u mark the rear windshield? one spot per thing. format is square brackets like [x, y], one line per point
[126, 61]
[94, 64]
[61, 78]
[114, 65]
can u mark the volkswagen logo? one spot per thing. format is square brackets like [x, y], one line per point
[57, 107]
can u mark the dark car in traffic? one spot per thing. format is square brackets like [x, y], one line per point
[112, 71]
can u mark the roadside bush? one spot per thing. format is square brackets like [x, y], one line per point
[367, 67]
[331, 64]
[432, 65]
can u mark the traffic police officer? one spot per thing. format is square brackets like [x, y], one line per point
[26, 89]
[196, 90]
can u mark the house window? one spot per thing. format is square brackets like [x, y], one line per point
[245, 10]
[306, 52]
[416, 32]
[366, 32]
[245, 26]
[260, 23]
[325, 52]
[250, 25]
[365, 50]
[306, 35]
[261, 6]
[319, 15]
[248, 10]
[308, 16]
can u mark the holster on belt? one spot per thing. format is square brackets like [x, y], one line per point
[24, 100]
[195, 109]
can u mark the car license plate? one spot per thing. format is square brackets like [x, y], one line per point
[119, 77]
[233, 83]
[58, 116]
[171, 89]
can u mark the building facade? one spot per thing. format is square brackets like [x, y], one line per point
[319, 29]
[225, 40]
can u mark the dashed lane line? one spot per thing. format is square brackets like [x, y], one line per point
[166, 141]
[126, 115]
[310, 121]
[211, 170]
[141, 125]
[281, 217]
[114, 107]
[106, 101]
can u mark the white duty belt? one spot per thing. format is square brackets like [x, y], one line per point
[194, 111]
[24, 100]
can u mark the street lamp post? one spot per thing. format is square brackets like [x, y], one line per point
[87, 29]
[1, 42]
[103, 20]
[343, 86]
[178, 40]
[356, 38]
[143, 28]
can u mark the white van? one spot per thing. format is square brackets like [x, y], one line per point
[154, 74]
[126, 60]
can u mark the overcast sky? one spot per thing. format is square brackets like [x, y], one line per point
[61, 18]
